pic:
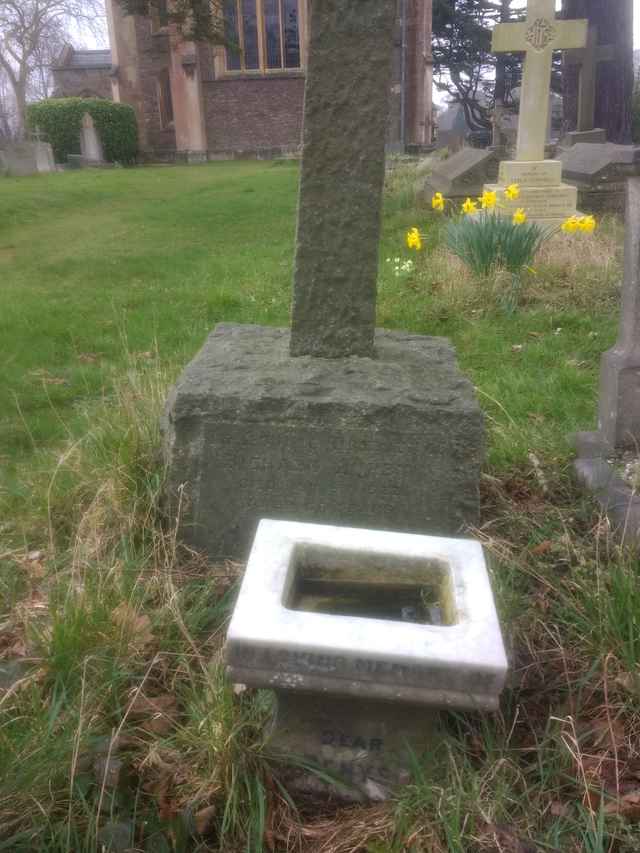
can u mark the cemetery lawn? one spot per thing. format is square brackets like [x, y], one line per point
[115, 718]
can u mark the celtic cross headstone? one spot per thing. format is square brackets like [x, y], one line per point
[537, 38]
[543, 196]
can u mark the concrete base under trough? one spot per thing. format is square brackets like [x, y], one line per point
[597, 473]
[367, 747]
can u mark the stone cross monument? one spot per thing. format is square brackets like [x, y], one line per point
[543, 195]
[588, 59]
[332, 422]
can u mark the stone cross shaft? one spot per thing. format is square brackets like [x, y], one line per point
[629, 337]
[537, 37]
[343, 164]
[588, 59]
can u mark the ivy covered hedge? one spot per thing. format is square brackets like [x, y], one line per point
[61, 120]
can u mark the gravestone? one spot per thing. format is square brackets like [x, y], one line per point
[332, 421]
[90, 144]
[619, 401]
[336, 621]
[600, 173]
[588, 59]
[542, 194]
[45, 161]
[18, 159]
[462, 175]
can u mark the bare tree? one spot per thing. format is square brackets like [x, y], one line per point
[27, 27]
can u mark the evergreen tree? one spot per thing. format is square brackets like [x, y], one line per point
[464, 66]
[615, 80]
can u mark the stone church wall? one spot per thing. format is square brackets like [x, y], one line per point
[263, 115]
[153, 59]
[82, 83]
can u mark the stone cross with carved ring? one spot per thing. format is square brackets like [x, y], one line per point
[537, 37]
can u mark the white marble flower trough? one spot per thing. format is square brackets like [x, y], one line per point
[343, 611]
[364, 635]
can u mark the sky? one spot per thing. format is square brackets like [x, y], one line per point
[91, 41]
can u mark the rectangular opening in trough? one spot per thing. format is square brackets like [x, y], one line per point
[372, 586]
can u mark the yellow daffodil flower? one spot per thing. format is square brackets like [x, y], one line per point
[519, 217]
[587, 224]
[488, 199]
[571, 225]
[437, 202]
[512, 192]
[414, 241]
[469, 207]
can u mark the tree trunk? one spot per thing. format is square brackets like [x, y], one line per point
[20, 93]
[614, 86]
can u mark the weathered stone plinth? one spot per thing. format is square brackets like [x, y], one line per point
[391, 442]
[543, 196]
[358, 685]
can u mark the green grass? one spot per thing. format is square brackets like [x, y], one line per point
[110, 281]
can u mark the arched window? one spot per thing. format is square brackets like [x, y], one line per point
[263, 35]
[165, 103]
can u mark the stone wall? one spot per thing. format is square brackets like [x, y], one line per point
[140, 55]
[254, 114]
[82, 83]
[153, 60]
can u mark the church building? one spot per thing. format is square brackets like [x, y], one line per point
[197, 101]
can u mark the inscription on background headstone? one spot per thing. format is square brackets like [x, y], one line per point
[343, 163]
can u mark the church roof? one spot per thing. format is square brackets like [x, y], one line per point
[86, 59]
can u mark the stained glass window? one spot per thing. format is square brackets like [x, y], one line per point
[262, 35]
[291, 33]
[271, 10]
[232, 35]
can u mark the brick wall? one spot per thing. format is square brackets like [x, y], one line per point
[252, 114]
[82, 82]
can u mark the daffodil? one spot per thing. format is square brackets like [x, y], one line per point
[437, 202]
[512, 192]
[587, 224]
[520, 216]
[469, 207]
[571, 225]
[414, 241]
[488, 199]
